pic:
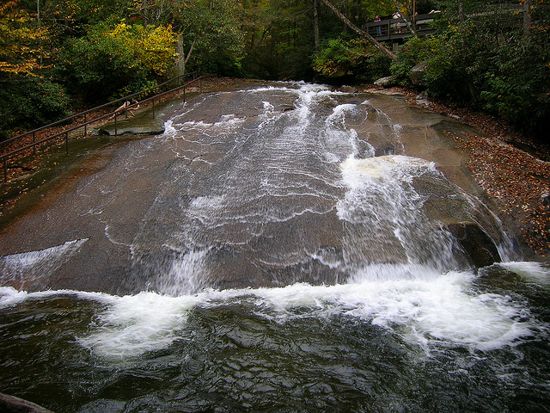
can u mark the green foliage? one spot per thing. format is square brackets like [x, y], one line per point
[26, 98]
[109, 61]
[30, 102]
[214, 29]
[518, 86]
[415, 51]
[101, 49]
[352, 58]
[278, 38]
[337, 59]
[152, 46]
[487, 63]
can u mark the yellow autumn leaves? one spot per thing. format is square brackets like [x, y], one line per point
[153, 46]
[21, 44]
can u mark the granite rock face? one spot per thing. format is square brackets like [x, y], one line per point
[476, 243]
[417, 73]
[387, 81]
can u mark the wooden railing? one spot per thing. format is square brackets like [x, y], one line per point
[399, 28]
[82, 120]
[421, 24]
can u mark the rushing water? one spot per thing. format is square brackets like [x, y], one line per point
[279, 248]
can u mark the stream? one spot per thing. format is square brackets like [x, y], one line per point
[289, 247]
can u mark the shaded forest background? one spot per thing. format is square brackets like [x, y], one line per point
[58, 56]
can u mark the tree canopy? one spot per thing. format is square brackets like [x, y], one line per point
[91, 50]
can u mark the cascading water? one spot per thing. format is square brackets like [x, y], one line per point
[279, 248]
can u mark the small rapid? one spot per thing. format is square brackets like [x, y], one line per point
[420, 305]
[272, 227]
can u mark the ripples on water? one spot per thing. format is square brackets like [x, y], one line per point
[347, 296]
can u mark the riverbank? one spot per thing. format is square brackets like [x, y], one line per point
[512, 169]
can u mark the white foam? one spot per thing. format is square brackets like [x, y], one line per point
[169, 129]
[356, 172]
[386, 212]
[139, 323]
[268, 107]
[9, 296]
[338, 114]
[268, 115]
[186, 275]
[226, 121]
[531, 271]
[425, 308]
[207, 202]
[439, 310]
[37, 264]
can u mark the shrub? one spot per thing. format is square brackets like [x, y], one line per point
[506, 75]
[112, 61]
[30, 102]
[350, 58]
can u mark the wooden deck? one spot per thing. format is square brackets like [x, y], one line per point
[397, 29]
[400, 29]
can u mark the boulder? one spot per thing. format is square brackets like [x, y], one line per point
[417, 73]
[422, 99]
[387, 81]
[475, 242]
[12, 404]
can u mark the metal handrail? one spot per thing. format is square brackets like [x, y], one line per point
[76, 115]
[65, 133]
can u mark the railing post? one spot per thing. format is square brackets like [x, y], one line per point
[184, 93]
[34, 144]
[153, 107]
[66, 143]
[116, 126]
[200, 84]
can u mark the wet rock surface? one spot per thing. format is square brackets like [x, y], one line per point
[262, 187]
[476, 243]
[143, 125]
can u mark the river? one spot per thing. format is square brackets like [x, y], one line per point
[288, 247]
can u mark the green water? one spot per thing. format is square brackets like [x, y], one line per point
[233, 352]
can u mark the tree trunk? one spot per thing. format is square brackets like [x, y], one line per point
[316, 23]
[184, 58]
[357, 30]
